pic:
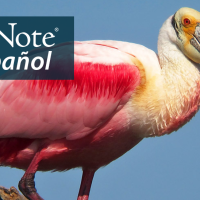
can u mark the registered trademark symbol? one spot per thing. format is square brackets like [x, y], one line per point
[56, 29]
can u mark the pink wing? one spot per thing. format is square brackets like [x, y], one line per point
[104, 80]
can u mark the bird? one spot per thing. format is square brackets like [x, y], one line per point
[121, 93]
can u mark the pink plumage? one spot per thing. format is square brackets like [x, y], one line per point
[71, 123]
[121, 93]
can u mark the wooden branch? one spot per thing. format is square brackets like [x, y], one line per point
[11, 194]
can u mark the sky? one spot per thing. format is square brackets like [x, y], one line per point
[166, 167]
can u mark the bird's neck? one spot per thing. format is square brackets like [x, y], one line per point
[181, 82]
[171, 97]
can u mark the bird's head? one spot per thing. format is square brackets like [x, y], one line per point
[186, 23]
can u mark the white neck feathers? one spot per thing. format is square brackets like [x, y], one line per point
[180, 80]
[173, 98]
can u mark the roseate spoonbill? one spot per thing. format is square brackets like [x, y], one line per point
[121, 93]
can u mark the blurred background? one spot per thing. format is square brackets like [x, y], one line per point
[166, 167]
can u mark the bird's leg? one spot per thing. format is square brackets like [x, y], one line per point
[27, 184]
[86, 183]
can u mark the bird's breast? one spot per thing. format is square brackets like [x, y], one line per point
[163, 105]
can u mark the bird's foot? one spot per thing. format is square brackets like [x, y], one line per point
[10, 194]
[27, 187]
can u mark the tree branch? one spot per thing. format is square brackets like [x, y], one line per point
[10, 194]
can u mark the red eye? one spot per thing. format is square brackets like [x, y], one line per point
[186, 21]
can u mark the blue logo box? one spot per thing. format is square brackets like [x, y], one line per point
[36, 48]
